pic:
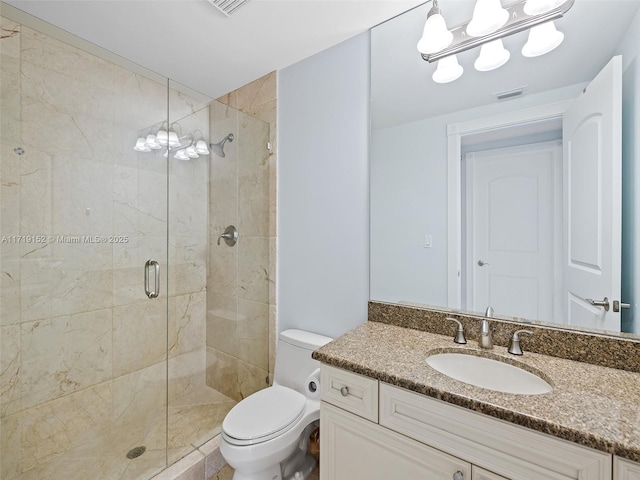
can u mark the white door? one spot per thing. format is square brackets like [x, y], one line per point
[513, 230]
[592, 200]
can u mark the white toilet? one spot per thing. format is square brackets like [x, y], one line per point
[264, 437]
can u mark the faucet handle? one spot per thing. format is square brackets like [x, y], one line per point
[459, 338]
[514, 345]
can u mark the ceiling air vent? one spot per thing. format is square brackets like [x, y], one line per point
[227, 7]
[507, 94]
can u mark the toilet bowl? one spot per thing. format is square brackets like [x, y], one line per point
[264, 437]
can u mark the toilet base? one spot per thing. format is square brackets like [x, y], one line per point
[297, 467]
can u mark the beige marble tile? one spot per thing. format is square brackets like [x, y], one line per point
[9, 370]
[81, 112]
[223, 269]
[226, 473]
[214, 461]
[139, 335]
[253, 273]
[223, 204]
[128, 284]
[273, 193]
[67, 60]
[36, 193]
[253, 135]
[63, 355]
[251, 378]
[125, 200]
[9, 283]
[188, 261]
[187, 323]
[222, 373]
[187, 372]
[48, 289]
[54, 428]
[253, 333]
[11, 118]
[260, 91]
[140, 398]
[222, 323]
[273, 270]
[10, 38]
[10, 446]
[273, 337]
[253, 204]
[230, 99]
[152, 202]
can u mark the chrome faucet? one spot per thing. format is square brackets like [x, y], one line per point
[486, 341]
[485, 335]
[514, 344]
[459, 338]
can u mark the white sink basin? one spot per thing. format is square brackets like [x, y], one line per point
[488, 373]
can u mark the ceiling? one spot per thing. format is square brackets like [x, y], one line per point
[401, 84]
[192, 43]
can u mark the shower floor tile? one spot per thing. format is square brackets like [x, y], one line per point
[193, 419]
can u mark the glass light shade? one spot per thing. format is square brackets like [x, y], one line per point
[488, 16]
[536, 7]
[173, 139]
[140, 146]
[151, 143]
[435, 35]
[166, 153]
[201, 147]
[448, 70]
[181, 155]
[191, 152]
[542, 39]
[162, 137]
[492, 55]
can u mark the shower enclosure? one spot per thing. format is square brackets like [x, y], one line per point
[101, 377]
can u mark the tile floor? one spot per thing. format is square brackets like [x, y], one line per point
[227, 473]
[193, 419]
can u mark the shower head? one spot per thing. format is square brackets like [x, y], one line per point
[218, 148]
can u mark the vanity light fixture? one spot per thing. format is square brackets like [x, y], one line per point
[490, 23]
[435, 35]
[170, 139]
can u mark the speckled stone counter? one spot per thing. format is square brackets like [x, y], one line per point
[591, 405]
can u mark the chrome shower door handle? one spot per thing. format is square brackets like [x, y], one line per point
[147, 270]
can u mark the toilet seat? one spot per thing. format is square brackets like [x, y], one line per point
[264, 415]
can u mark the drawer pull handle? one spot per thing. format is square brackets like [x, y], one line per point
[344, 391]
[458, 475]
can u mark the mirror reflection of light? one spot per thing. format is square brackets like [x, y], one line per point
[448, 70]
[488, 16]
[542, 39]
[492, 55]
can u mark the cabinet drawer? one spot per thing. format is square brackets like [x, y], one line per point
[355, 393]
[509, 450]
[356, 449]
[625, 469]
[478, 473]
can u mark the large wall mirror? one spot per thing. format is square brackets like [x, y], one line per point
[515, 188]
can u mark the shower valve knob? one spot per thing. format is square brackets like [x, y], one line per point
[230, 236]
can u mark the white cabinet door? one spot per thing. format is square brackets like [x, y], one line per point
[478, 473]
[353, 448]
[625, 469]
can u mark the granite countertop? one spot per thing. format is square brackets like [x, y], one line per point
[595, 406]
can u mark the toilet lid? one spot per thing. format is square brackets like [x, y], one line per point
[263, 414]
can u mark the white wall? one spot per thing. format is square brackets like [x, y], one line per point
[409, 201]
[629, 48]
[323, 190]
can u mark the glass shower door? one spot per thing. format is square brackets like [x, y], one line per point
[83, 349]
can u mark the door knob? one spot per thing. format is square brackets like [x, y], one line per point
[482, 263]
[604, 303]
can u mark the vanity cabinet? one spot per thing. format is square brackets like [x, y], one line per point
[625, 469]
[415, 436]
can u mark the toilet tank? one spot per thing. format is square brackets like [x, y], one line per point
[293, 357]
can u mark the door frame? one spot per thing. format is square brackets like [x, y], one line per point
[455, 134]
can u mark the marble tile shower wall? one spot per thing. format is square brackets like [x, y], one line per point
[241, 307]
[82, 349]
